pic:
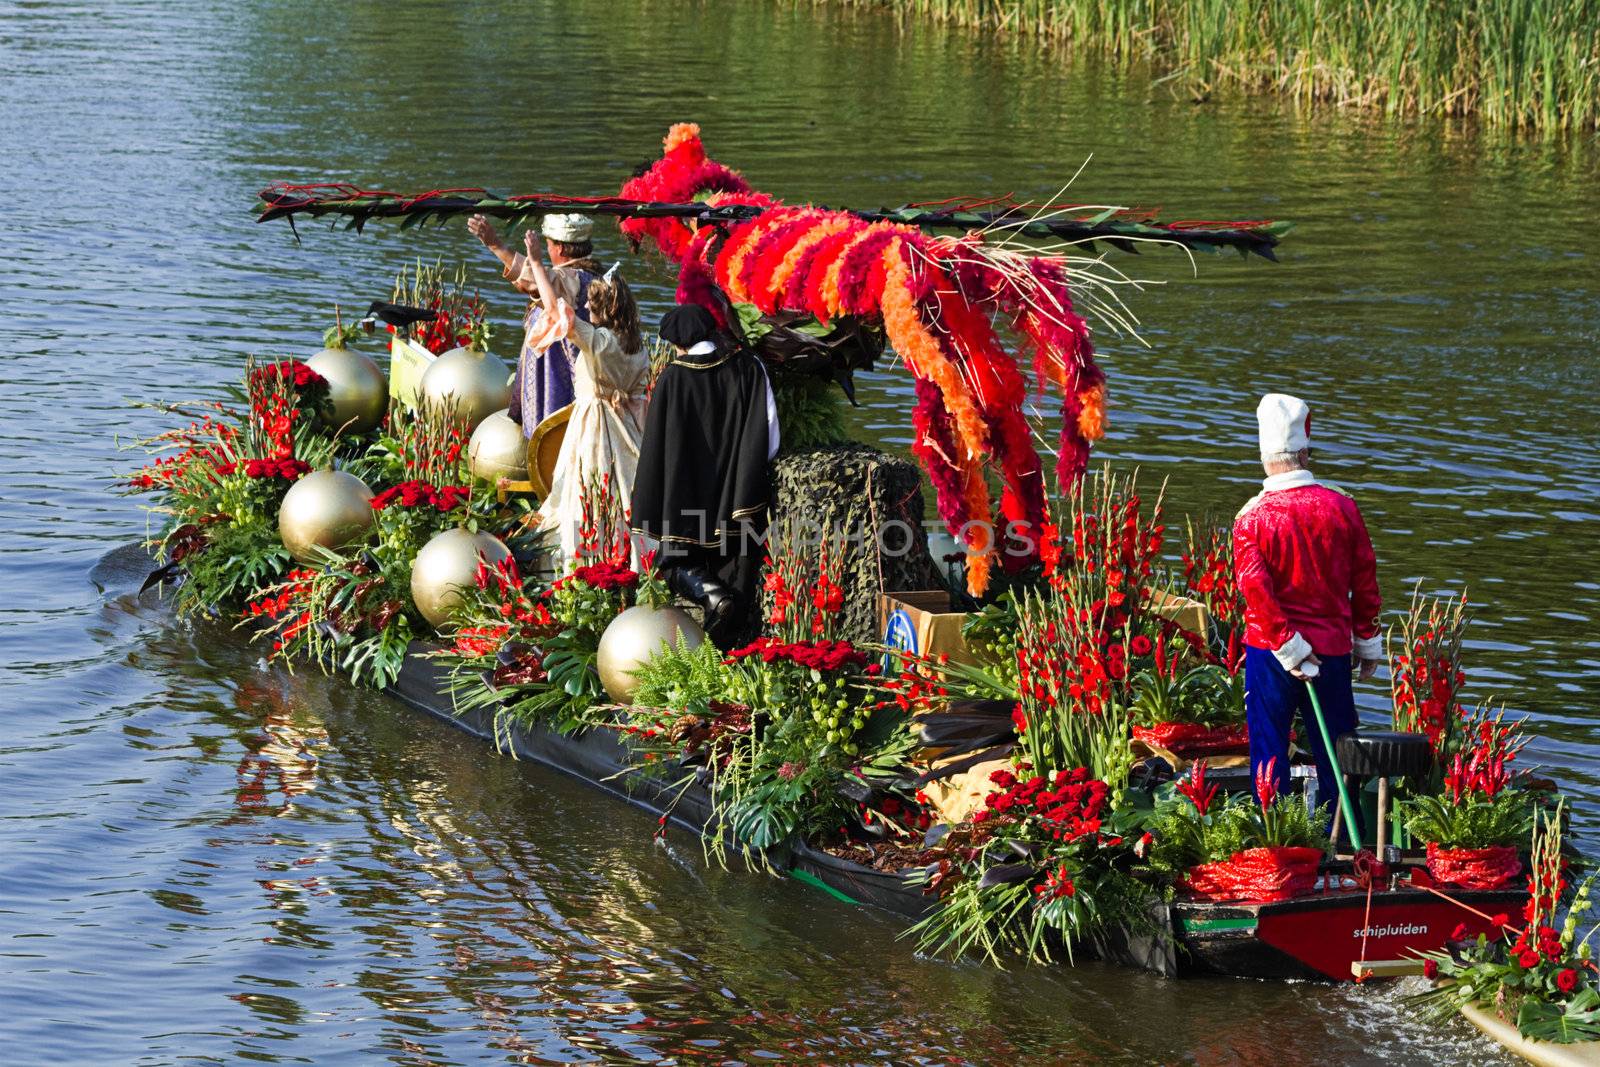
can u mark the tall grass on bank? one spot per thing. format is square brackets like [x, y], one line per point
[1520, 63]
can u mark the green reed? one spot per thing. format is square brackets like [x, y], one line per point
[1519, 63]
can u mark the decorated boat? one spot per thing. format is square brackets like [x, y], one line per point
[1029, 745]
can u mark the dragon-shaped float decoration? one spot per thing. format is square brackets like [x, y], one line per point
[937, 298]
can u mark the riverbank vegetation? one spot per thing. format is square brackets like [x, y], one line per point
[1515, 63]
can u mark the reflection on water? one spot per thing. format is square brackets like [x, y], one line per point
[202, 859]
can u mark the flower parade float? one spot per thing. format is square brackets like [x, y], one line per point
[1065, 778]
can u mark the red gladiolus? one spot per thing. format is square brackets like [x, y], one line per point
[1459, 933]
[1194, 787]
[1430, 969]
[1267, 783]
[1057, 884]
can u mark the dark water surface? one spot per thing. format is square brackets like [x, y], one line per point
[203, 860]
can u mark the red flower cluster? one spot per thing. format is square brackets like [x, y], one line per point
[607, 575]
[295, 372]
[476, 642]
[503, 583]
[828, 599]
[1482, 775]
[207, 441]
[1267, 783]
[1535, 945]
[287, 468]
[1195, 788]
[1072, 657]
[1071, 807]
[455, 320]
[1209, 576]
[295, 585]
[1428, 675]
[917, 686]
[782, 596]
[818, 655]
[803, 584]
[418, 493]
[1057, 884]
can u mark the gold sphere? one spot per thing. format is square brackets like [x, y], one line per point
[498, 449]
[636, 635]
[357, 389]
[479, 382]
[330, 509]
[447, 564]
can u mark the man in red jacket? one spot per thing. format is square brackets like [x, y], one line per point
[1305, 565]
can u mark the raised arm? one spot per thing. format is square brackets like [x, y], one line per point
[533, 269]
[481, 228]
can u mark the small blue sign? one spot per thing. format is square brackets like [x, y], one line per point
[900, 634]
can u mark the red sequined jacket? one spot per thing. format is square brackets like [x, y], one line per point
[1304, 562]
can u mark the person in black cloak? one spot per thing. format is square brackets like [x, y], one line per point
[703, 484]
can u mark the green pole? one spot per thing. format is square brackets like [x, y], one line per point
[1338, 772]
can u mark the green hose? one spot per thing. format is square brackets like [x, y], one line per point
[1338, 772]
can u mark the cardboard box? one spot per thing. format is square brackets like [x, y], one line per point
[921, 622]
[1189, 614]
[408, 361]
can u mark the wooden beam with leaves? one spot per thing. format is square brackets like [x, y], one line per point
[1078, 225]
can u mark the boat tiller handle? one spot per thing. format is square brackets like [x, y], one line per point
[1338, 772]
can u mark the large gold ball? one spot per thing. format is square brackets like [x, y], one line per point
[478, 381]
[636, 635]
[330, 509]
[498, 449]
[357, 389]
[447, 564]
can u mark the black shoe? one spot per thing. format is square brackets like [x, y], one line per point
[714, 598]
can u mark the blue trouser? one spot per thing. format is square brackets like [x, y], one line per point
[1271, 696]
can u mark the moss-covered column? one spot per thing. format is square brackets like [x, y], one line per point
[870, 504]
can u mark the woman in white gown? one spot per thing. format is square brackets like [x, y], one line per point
[610, 379]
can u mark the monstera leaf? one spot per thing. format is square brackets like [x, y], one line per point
[1576, 1020]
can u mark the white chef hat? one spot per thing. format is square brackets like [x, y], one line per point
[568, 229]
[1285, 424]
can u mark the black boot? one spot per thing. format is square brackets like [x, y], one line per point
[714, 598]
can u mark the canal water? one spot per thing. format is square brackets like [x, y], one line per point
[205, 860]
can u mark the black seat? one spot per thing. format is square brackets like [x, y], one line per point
[1384, 754]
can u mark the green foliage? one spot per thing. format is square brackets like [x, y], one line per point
[1042, 866]
[1182, 837]
[684, 679]
[1533, 63]
[1474, 822]
[239, 558]
[810, 411]
[1577, 1019]
[1544, 977]
[1205, 694]
[990, 634]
